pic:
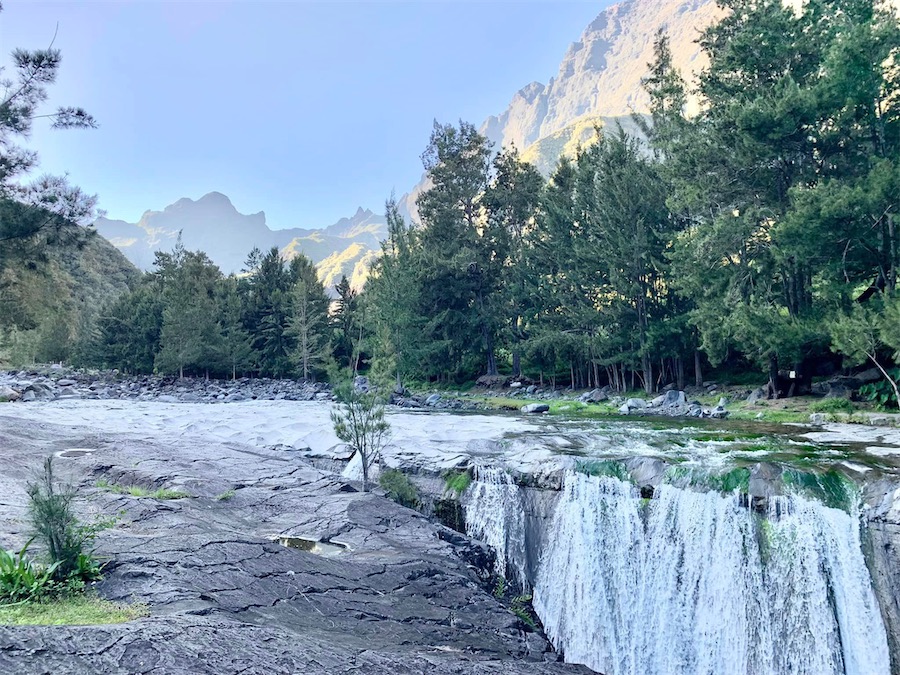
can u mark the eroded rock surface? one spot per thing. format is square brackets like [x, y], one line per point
[400, 595]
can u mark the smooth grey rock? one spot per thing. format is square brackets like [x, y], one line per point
[535, 408]
[674, 398]
[66, 382]
[433, 400]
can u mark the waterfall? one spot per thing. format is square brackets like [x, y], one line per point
[496, 516]
[691, 583]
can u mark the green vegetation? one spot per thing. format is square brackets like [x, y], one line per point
[359, 422]
[832, 488]
[399, 488]
[22, 579]
[521, 607]
[52, 518]
[609, 468]
[832, 405]
[226, 496]
[884, 393]
[139, 491]
[457, 482]
[67, 541]
[54, 272]
[78, 610]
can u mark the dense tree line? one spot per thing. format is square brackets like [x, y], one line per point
[760, 232]
[187, 318]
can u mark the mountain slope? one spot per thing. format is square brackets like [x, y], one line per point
[212, 224]
[600, 75]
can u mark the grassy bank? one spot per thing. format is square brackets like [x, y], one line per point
[76, 610]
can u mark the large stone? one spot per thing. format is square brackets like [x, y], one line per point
[757, 395]
[7, 393]
[433, 400]
[535, 408]
[674, 398]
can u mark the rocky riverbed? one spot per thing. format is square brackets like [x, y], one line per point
[379, 590]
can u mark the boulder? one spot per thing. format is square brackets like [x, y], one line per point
[433, 400]
[633, 404]
[66, 383]
[8, 393]
[535, 408]
[593, 396]
[674, 398]
[493, 381]
[757, 395]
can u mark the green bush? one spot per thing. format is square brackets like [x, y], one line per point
[22, 580]
[399, 488]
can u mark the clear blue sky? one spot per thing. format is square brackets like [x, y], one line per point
[304, 110]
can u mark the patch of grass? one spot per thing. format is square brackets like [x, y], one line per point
[457, 481]
[399, 488]
[832, 405]
[225, 496]
[138, 491]
[76, 610]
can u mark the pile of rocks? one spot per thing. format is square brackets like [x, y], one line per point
[57, 383]
[673, 404]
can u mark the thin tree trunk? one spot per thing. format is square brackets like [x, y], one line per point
[698, 370]
[773, 377]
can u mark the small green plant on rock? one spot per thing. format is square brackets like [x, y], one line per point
[21, 579]
[399, 488]
[521, 607]
[226, 496]
[457, 482]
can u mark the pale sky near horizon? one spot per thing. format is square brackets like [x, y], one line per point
[304, 110]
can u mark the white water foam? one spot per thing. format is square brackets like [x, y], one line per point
[497, 517]
[691, 582]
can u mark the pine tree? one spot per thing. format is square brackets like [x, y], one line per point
[308, 325]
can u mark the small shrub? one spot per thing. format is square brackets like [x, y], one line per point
[500, 587]
[458, 482]
[54, 524]
[832, 405]
[226, 496]
[359, 422]
[399, 488]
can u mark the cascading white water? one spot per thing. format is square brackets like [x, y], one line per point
[497, 517]
[696, 583]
